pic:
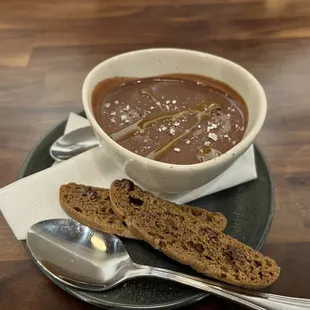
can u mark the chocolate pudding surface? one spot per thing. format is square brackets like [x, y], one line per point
[175, 118]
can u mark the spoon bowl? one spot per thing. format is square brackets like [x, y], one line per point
[64, 246]
[73, 144]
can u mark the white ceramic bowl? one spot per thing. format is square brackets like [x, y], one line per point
[168, 178]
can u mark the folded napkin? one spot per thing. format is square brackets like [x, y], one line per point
[35, 198]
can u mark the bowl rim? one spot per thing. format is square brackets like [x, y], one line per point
[239, 148]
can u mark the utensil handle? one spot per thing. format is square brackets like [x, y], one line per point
[252, 299]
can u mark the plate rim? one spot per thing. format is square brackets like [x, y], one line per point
[169, 305]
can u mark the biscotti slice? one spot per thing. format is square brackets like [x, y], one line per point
[126, 191]
[191, 242]
[91, 206]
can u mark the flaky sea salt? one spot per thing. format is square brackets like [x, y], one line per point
[212, 126]
[158, 103]
[212, 136]
[107, 105]
[207, 143]
[176, 149]
[123, 117]
[188, 141]
[172, 131]
[113, 113]
[127, 108]
[174, 101]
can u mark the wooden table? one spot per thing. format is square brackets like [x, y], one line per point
[46, 50]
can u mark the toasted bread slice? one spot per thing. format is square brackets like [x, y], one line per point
[91, 206]
[160, 206]
[200, 244]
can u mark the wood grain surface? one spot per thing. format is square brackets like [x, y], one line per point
[48, 47]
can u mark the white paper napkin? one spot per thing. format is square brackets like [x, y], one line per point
[35, 198]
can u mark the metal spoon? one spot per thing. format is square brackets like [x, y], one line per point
[91, 260]
[73, 143]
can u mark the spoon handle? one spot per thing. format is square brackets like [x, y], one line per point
[251, 299]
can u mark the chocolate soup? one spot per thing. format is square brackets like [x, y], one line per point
[176, 118]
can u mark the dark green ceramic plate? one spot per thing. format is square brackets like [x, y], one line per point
[249, 209]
